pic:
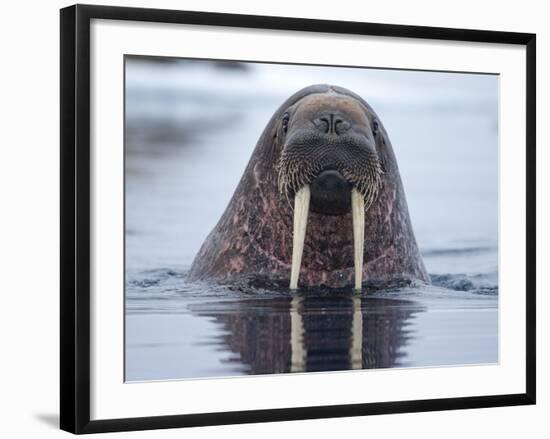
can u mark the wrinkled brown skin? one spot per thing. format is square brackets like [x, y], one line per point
[252, 242]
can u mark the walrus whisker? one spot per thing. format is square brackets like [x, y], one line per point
[358, 215]
[288, 201]
[301, 209]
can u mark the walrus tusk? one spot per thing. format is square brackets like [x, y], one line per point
[358, 212]
[301, 209]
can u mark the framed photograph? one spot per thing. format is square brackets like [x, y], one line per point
[276, 218]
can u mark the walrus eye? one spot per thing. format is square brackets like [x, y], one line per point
[286, 118]
[375, 128]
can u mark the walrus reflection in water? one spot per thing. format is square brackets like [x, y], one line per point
[312, 333]
[320, 204]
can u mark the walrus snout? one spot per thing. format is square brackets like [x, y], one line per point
[330, 193]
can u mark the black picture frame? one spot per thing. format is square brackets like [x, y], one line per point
[75, 217]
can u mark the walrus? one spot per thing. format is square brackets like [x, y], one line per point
[320, 204]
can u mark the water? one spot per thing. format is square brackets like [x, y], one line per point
[191, 128]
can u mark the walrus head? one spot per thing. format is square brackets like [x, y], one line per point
[329, 144]
[322, 187]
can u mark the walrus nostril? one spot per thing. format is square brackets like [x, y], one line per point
[332, 124]
[323, 124]
[341, 126]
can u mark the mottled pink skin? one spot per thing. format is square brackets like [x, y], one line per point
[252, 242]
